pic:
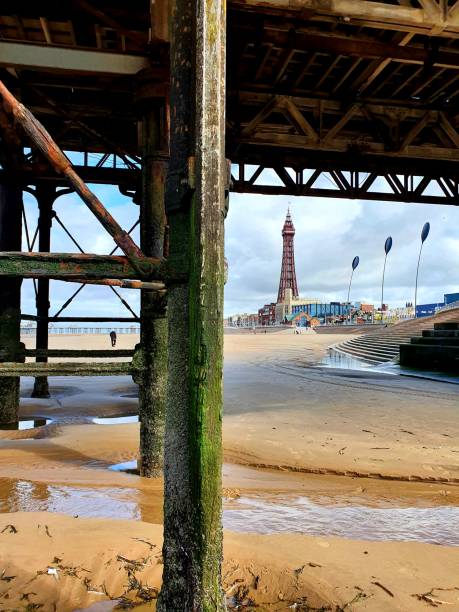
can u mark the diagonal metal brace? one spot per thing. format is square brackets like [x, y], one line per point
[43, 141]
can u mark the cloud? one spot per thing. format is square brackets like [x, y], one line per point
[92, 238]
[329, 233]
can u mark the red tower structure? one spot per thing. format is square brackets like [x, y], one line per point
[288, 274]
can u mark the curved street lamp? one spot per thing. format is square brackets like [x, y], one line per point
[387, 248]
[355, 263]
[424, 234]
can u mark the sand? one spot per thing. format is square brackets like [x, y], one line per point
[308, 424]
[66, 563]
[280, 413]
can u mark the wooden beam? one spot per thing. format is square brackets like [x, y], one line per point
[31, 56]
[377, 68]
[46, 32]
[265, 52]
[298, 120]
[159, 12]
[360, 9]
[355, 47]
[415, 130]
[263, 114]
[192, 549]
[334, 131]
[449, 129]
[431, 8]
[72, 266]
[105, 18]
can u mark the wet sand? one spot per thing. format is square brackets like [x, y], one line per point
[279, 412]
[283, 414]
[66, 563]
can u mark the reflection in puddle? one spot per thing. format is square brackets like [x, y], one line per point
[276, 514]
[435, 525]
[85, 502]
[133, 418]
[335, 359]
[25, 424]
[126, 466]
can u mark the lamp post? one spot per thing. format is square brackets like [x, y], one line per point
[387, 248]
[424, 234]
[355, 263]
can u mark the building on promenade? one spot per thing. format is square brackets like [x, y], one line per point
[267, 314]
[309, 311]
[243, 320]
[427, 310]
[292, 309]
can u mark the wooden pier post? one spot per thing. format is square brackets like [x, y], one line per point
[45, 195]
[195, 200]
[10, 298]
[153, 321]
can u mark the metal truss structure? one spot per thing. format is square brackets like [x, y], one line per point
[352, 184]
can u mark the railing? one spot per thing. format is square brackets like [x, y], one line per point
[134, 329]
[448, 307]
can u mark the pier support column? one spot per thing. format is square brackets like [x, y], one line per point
[153, 321]
[10, 299]
[45, 194]
[195, 202]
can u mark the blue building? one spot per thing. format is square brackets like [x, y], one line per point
[427, 310]
[322, 310]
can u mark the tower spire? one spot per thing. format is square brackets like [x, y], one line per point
[288, 274]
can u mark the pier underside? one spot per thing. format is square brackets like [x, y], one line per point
[177, 103]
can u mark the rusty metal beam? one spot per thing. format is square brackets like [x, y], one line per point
[67, 353]
[124, 284]
[30, 173]
[43, 141]
[74, 266]
[65, 368]
[58, 319]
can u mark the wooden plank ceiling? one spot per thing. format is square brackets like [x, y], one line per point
[311, 83]
[317, 82]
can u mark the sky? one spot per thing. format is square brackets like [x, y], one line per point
[329, 233]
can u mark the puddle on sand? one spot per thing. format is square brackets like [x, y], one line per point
[265, 515]
[126, 466]
[279, 514]
[25, 424]
[85, 502]
[119, 420]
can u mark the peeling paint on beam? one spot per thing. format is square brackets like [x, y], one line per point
[74, 266]
[65, 369]
[53, 353]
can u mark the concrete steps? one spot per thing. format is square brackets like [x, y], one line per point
[437, 351]
[383, 345]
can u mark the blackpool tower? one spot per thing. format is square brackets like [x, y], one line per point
[288, 274]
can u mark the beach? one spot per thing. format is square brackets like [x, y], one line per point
[340, 487]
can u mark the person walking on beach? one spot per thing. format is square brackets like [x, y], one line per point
[113, 337]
